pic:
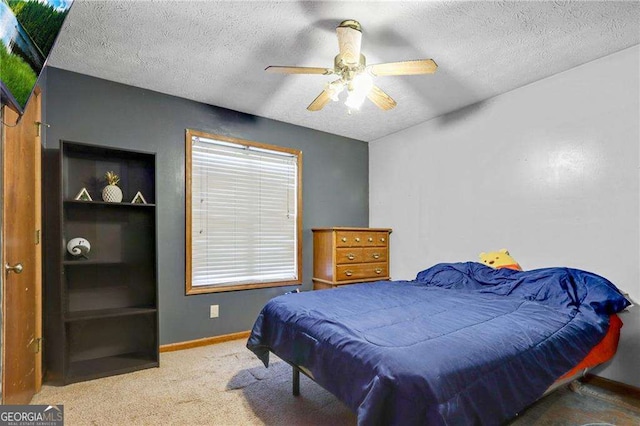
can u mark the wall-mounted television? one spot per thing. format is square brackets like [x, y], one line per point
[28, 31]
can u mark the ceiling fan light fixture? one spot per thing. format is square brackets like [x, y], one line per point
[353, 101]
[334, 89]
[362, 83]
[360, 87]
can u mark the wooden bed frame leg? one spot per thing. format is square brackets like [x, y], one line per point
[296, 381]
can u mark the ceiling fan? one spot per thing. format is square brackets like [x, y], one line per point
[355, 75]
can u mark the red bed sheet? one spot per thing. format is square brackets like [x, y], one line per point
[603, 351]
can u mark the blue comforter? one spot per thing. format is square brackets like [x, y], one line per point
[461, 344]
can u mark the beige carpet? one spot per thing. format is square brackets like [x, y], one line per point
[225, 384]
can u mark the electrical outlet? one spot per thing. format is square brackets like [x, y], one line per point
[214, 311]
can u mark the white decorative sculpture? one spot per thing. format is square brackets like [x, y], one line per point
[78, 247]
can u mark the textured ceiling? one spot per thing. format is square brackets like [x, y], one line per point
[215, 51]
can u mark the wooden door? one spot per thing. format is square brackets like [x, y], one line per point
[21, 255]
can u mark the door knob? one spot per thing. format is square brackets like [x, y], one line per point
[17, 268]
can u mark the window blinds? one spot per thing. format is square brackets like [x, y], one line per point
[244, 211]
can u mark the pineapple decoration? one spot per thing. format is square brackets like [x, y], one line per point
[112, 193]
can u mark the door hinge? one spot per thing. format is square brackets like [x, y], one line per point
[37, 345]
[39, 125]
[37, 236]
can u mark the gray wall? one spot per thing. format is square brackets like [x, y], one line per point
[549, 171]
[335, 181]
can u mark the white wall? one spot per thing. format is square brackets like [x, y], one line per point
[549, 171]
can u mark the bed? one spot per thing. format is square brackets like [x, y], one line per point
[461, 344]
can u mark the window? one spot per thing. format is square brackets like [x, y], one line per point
[243, 214]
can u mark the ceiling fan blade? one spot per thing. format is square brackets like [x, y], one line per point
[319, 102]
[349, 41]
[381, 99]
[298, 70]
[420, 66]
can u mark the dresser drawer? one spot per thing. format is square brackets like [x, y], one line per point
[377, 254]
[361, 271]
[375, 239]
[349, 255]
[361, 255]
[349, 239]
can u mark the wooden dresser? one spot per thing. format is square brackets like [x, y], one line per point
[349, 255]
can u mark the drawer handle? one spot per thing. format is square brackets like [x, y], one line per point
[357, 239]
[378, 271]
[376, 255]
[382, 240]
[351, 256]
[370, 239]
[348, 273]
[344, 239]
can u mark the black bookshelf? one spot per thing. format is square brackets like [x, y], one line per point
[101, 315]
